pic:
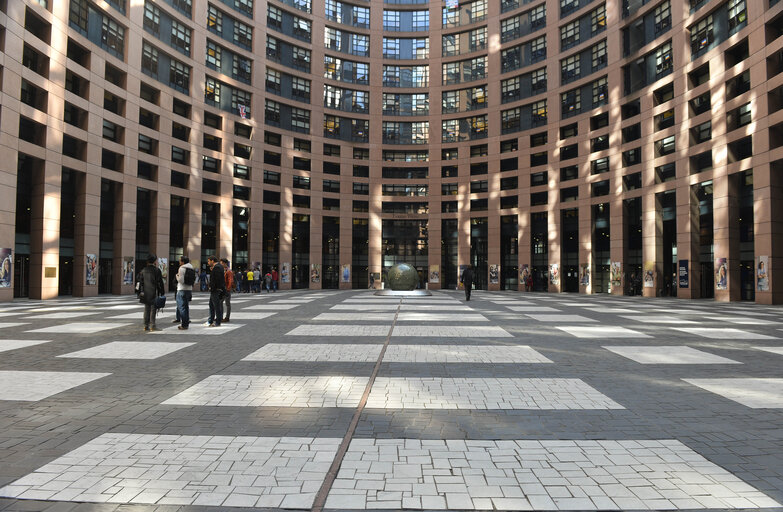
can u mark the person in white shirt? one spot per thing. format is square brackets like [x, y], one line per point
[184, 292]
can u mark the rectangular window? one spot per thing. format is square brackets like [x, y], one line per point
[663, 17]
[570, 69]
[599, 55]
[569, 35]
[598, 19]
[215, 18]
[214, 55]
[600, 92]
[702, 36]
[149, 59]
[151, 17]
[113, 37]
[663, 59]
[180, 37]
[737, 15]
[179, 76]
[243, 35]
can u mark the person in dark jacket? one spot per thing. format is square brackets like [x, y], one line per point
[467, 280]
[217, 289]
[149, 286]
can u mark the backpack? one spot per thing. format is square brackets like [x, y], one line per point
[190, 277]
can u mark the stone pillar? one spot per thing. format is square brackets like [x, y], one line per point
[346, 242]
[586, 222]
[225, 244]
[555, 246]
[725, 211]
[652, 245]
[688, 241]
[87, 234]
[45, 231]
[493, 241]
[617, 246]
[124, 237]
[316, 250]
[434, 253]
[285, 254]
[768, 228]
[375, 232]
[193, 233]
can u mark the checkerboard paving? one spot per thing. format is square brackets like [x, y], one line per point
[449, 331]
[62, 315]
[658, 319]
[80, 327]
[273, 391]
[4, 325]
[534, 475]
[6, 345]
[560, 318]
[198, 329]
[724, 333]
[756, 393]
[480, 354]
[31, 386]
[185, 470]
[340, 330]
[128, 350]
[316, 352]
[256, 315]
[270, 307]
[604, 331]
[668, 355]
[533, 309]
[485, 393]
[773, 350]
[352, 317]
[412, 316]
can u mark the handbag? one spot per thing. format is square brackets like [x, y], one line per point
[160, 302]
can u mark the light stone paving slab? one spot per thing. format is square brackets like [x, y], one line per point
[412, 316]
[283, 472]
[512, 302]
[33, 386]
[481, 354]
[6, 345]
[292, 301]
[604, 331]
[273, 391]
[366, 307]
[658, 319]
[81, 327]
[560, 318]
[128, 350]
[256, 315]
[316, 352]
[612, 311]
[4, 325]
[486, 394]
[270, 306]
[673, 354]
[533, 309]
[407, 306]
[449, 331]
[535, 475]
[51, 308]
[139, 315]
[738, 320]
[63, 315]
[340, 330]
[351, 317]
[773, 350]
[756, 393]
[724, 333]
[198, 329]
[121, 307]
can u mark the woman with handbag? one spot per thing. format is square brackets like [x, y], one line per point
[150, 289]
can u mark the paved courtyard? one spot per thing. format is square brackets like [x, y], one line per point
[348, 401]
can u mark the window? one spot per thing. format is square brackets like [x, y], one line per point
[569, 69]
[599, 166]
[361, 16]
[510, 120]
[300, 88]
[241, 68]
[538, 49]
[301, 58]
[272, 178]
[272, 50]
[215, 18]
[360, 45]
[600, 92]
[598, 19]
[391, 48]
[214, 55]
[737, 15]
[509, 89]
[300, 120]
[149, 59]
[272, 81]
[509, 29]
[663, 59]
[272, 112]
[538, 17]
[180, 37]
[538, 112]
[241, 98]
[663, 17]
[571, 102]
[702, 36]
[701, 133]
[113, 37]
[79, 14]
[538, 80]
[245, 6]
[391, 20]
[243, 35]
[151, 17]
[566, 6]
[274, 17]
[333, 11]
[179, 76]
[569, 35]
[421, 20]
[664, 146]
[333, 39]
[331, 126]
[599, 55]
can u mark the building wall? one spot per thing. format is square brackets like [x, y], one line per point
[57, 147]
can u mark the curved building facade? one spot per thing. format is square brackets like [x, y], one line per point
[629, 147]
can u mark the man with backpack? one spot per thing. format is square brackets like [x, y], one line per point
[186, 278]
[149, 286]
[229, 277]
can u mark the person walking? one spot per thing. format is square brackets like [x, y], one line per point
[186, 277]
[467, 280]
[217, 287]
[257, 280]
[268, 282]
[149, 286]
[229, 277]
[274, 279]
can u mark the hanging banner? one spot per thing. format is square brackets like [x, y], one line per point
[494, 274]
[721, 274]
[128, 265]
[554, 274]
[6, 267]
[649, 274]
[684, 278]
[315, 272]
[163, 265]
[524, 273]
[345, 272]
[762, 274]
[434, 273]
[91, 273]
[584, 274]
[285, 272]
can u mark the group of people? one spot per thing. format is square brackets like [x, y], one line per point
[220, 281]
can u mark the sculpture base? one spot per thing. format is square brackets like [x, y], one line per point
[403, 293]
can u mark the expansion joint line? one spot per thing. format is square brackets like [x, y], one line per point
[331, 475]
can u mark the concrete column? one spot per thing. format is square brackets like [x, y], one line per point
[255, 229]
[160, 223]
[434, 253]
[555, 244]
[768, 229]
[225, 244]
[688, 241]
[725, 211]
[193, 233]
[316, 250]
[45, 231]
[286, 229]
[375, 231]
[493, 241]
[87, 234]
[586, 244]
[124, 237]
[652, 244]
[617, 229]
[346, 242]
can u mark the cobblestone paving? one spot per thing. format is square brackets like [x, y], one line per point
[508, 402]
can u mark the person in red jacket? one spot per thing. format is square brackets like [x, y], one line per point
[274, 279]
[229, 275]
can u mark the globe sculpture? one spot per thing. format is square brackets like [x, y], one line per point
[402, 276]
